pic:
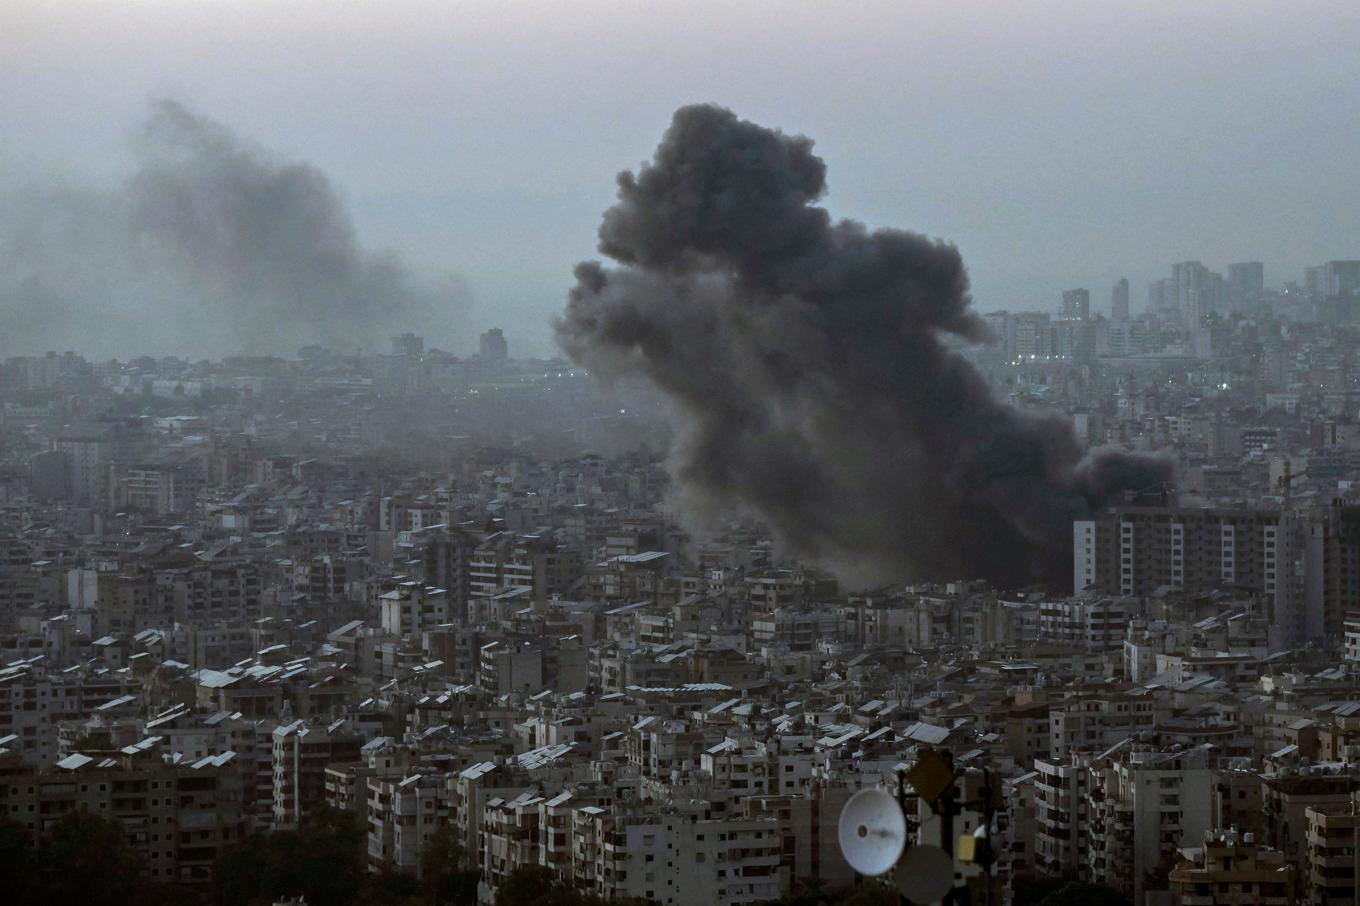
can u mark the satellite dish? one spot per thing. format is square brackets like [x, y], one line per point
[925, 875]
[873, 832]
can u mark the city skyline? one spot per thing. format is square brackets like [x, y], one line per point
[483, 144]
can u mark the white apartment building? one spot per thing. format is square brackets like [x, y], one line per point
[412, 608]
[678, 857]
[1091, 624]
[1142, 806]
[1094, 722]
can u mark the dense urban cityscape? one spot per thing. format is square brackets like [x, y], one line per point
[449, 598]
[681, 453]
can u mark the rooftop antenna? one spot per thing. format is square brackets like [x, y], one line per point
[873, 832]
[874, 837]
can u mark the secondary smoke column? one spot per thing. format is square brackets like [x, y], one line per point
[210, 246]
[806, 362]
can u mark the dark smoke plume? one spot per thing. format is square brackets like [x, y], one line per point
[806, 363]
[209, 247]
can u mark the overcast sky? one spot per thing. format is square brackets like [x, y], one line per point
[1057, 144]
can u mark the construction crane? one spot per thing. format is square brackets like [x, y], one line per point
[1163, 488]
[1286, 480]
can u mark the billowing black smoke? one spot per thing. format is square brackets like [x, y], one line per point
[810, 380]
[209, 247]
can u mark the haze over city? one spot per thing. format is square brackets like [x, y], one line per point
[1056, 144]
[679, 454]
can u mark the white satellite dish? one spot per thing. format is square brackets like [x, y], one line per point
[925, 875]
[873, 832]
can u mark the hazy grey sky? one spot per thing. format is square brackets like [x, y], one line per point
[1057, 143]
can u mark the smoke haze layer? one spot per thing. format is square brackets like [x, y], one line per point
[209, 247]
[806, 363]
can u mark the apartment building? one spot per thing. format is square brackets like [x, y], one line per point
[536, 562]
[1333, 844]
[178, 817]
[1289, 794]
[807, 824]
[1091, 722]
[1230, 869]
[473, 787]
[1305, 563]
[446, 556]
[791, 629]
[131, 600]
[1092, 625]
[325, 577]
[301, 753]
[1060, 788]
[34, 702]
[218, 591]
[412, 608]
[1142, 805]
[1137, 550]
[681, 856]
[401, 815]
